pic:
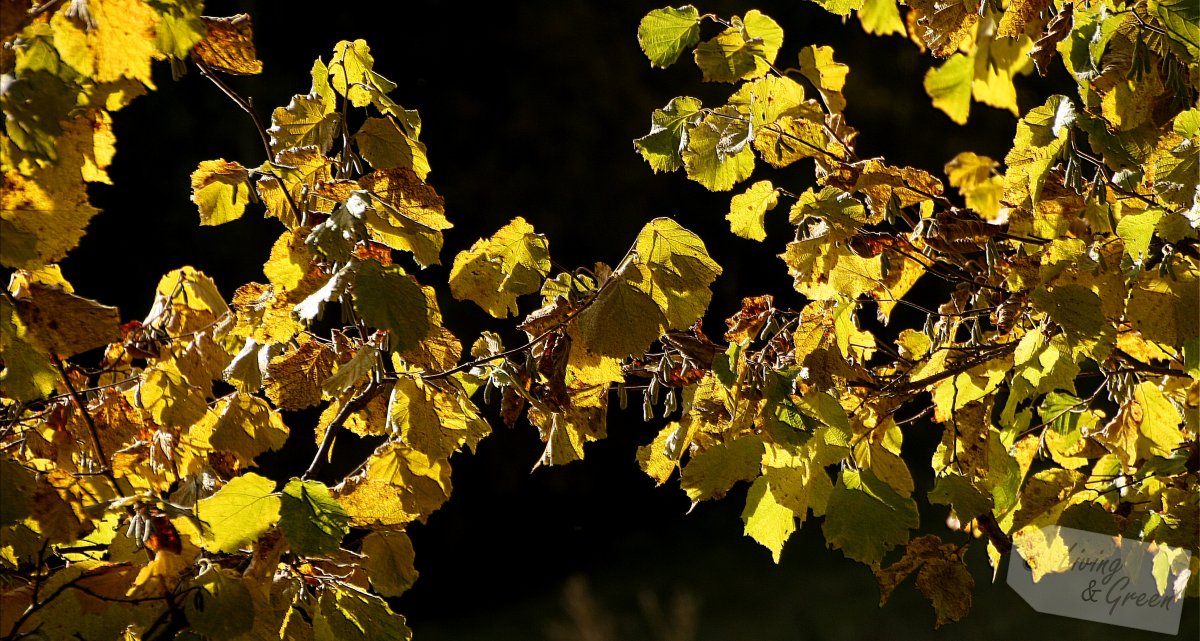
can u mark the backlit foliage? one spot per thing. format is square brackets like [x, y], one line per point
[1063, 359]
[1062, 363]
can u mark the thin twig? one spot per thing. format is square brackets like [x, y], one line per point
[87, 417]
[359, 401]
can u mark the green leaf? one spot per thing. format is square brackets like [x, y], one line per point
[311, 519]
[1137, 231]
[665, 33]
[712, 472]
[950, 86]
[865, 517]
[238, 513]
[17, 486]
[825, 409]
[622, 320]
[389, 562]
[767, 521]
[743, 51]
[389, 299]
[748, 210]
[841, 7]
[495, 271]
[1181, 19]
[221, 190]
[958, 492]
[383, 144]
[222, 606]
[664, 145]
[881, 17]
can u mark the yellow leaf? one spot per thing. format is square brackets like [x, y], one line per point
[170, 399]
[402, 192]
[944, 26]
[1018, 14]
[1040, 137]
[495, 271]
[745, 50]
[654, 458]
[44, 208]
[767, 521]
[712, 472]
[792, 138]
[1146, 425]
[385, 145]
[748, 209]
[954, 393]
[290, 260]
[710, 159]
[293, 172]
[121, 45]
[246, 427]
[881, 17]
[221, 190]
[978, 181]
[565, 432]
[829, 77]
[997, 61]
[389, 562]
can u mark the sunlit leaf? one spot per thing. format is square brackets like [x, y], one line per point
[664, 34]
[748, 209]
[221, 190]
[238, 513]
[228, 45]
[495, 271]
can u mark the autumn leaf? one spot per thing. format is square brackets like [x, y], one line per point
[495, 271]
[221, 190]
[228, 45]
[238, 513]
[664, 34]
[748, 209]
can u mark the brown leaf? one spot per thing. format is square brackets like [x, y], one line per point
[1046, 46]
[67, 324]
[229, 46]
[750, 318]
[294, 378]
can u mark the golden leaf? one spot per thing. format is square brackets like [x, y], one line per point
[229, 45]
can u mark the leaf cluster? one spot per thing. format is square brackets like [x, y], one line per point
[1061, 357]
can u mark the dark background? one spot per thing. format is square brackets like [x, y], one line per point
[529, 109]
